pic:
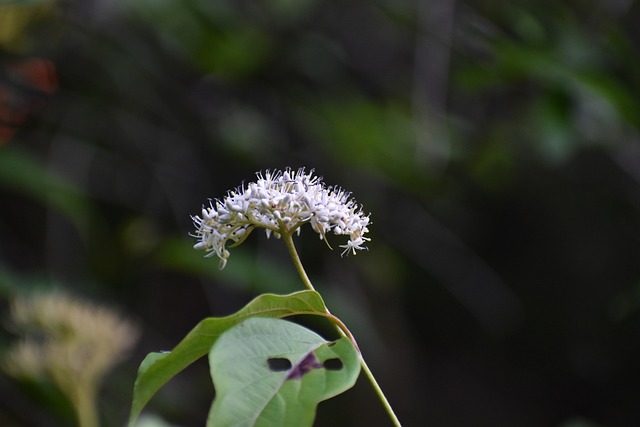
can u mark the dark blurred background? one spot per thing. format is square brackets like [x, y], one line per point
[495, 143]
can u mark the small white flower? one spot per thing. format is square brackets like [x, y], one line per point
[280, 202]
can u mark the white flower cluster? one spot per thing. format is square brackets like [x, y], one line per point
[280, 202]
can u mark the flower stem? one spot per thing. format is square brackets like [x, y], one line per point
[288, 241]
[379, 392]
[85, 406]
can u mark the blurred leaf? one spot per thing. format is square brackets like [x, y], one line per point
[528, 26]
[611, 91]
[213, 37]
[15, 18]
[517, 61]
[494, 166]
[235, 54]
[246, 132]
[12, 284]
[152, 421]
[290, 10]
[158, 368]
[22, 2]
[244, 270]
[273, 372]
[21, 172]
[367, 134]
[551, 117]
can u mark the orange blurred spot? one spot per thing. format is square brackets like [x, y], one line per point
[23, 91]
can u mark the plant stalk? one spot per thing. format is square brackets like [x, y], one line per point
[86, 411]
[379, 392]
[288, 241]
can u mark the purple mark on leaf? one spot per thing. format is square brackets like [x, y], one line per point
[306, 365]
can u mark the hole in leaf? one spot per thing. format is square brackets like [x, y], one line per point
[278, 364]
[333, 364]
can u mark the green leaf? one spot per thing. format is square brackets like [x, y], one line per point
[272, 372]
[158, 368]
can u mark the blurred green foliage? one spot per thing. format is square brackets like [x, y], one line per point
[495, 144]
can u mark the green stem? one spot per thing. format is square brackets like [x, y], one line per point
[379, 392]
[85, 406]
[288, 241]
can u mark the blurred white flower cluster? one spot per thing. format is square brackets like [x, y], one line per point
[280, 202]
[72, 342]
